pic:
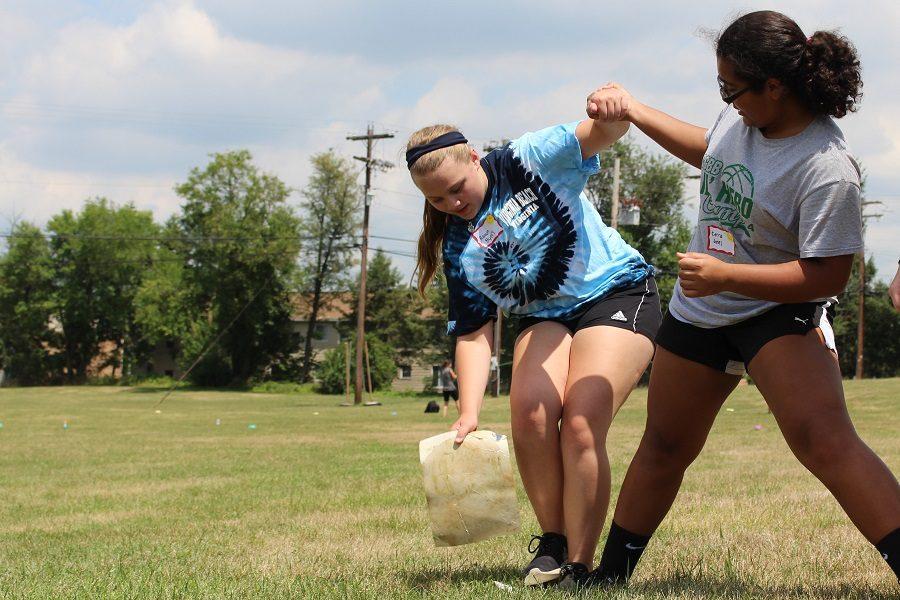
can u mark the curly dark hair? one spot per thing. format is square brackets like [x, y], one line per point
[822, 70]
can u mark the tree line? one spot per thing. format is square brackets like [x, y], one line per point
[219, 281]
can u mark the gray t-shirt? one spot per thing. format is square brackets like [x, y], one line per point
[447, 383]
[769, 201]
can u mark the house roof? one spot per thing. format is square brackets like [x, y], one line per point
[336, 306]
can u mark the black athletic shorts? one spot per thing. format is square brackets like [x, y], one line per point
[731, 348]
[450, 394]
[635, 308]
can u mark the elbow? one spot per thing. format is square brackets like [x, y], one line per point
[828, 276]
[619, 129]
[837, 287]
[827, 287]
[838, 282]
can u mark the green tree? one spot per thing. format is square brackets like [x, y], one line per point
[394, 311]
[99, 256]
[439, 346]
[332, 372]
[330, 206]
[26, 306]
[163, 304]
[881, 356]
[656, 181]
[238, 242]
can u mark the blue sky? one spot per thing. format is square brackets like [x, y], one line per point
[121, 99]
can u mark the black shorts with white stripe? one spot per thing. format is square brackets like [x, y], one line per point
[731, 348]
[635, 308]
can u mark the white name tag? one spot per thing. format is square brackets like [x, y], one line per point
[489, 232]
[719, 240]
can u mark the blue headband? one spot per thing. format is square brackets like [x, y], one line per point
[442, 141]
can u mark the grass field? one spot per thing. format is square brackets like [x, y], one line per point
[325, 502]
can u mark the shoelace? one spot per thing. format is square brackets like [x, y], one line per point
[541, 544]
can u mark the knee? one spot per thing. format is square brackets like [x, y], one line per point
[822, 448]
[580, 434]
[534, 416]
[585, 424]
[667, 450]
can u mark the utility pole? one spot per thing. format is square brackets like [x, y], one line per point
[860, 326]
[371, 163]
[614, 211]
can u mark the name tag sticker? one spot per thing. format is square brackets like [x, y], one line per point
[719, 240]
[489, 232]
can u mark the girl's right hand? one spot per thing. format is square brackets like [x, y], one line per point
[610, 103]
[464, 426]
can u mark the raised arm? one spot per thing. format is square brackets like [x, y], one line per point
[612, 103]
[595, 135]
[473, 361]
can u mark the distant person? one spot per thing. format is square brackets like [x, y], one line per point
[514, 229]
[894, 290]
[779, 225]
[448, 386]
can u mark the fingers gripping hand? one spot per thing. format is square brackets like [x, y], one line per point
[609, 103]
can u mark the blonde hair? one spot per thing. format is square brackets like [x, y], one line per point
[433, 221]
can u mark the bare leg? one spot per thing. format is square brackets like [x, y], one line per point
[605, 363]
[801, 381]
[683, 401]
[540, 367]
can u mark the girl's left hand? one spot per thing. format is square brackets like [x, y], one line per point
[701, 274]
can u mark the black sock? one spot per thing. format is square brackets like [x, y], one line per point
[889, 548]
[621, 554]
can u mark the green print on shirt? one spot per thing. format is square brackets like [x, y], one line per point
[733, 203]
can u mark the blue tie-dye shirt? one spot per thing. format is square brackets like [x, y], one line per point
[537, 247]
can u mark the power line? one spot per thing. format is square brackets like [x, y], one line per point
[215, 341]
[394, 239]
[143, 116]
[214, 239]
[401, 210]
[419, 196]
[85, 184]
[395, 253]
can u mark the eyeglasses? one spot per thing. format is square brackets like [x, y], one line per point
[727, 97]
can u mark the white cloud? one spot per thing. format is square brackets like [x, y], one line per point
[31, 194]
[137, 98]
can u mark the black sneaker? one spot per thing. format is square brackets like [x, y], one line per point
[573, 576]
[596, 578]
[549, 554]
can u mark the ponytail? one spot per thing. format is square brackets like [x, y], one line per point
[433, 221]
[833, 82]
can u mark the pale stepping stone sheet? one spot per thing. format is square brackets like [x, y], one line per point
[470, 489]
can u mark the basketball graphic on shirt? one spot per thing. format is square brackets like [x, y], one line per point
[728, 199]
[739, 179]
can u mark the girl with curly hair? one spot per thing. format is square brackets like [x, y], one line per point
[778, 226]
